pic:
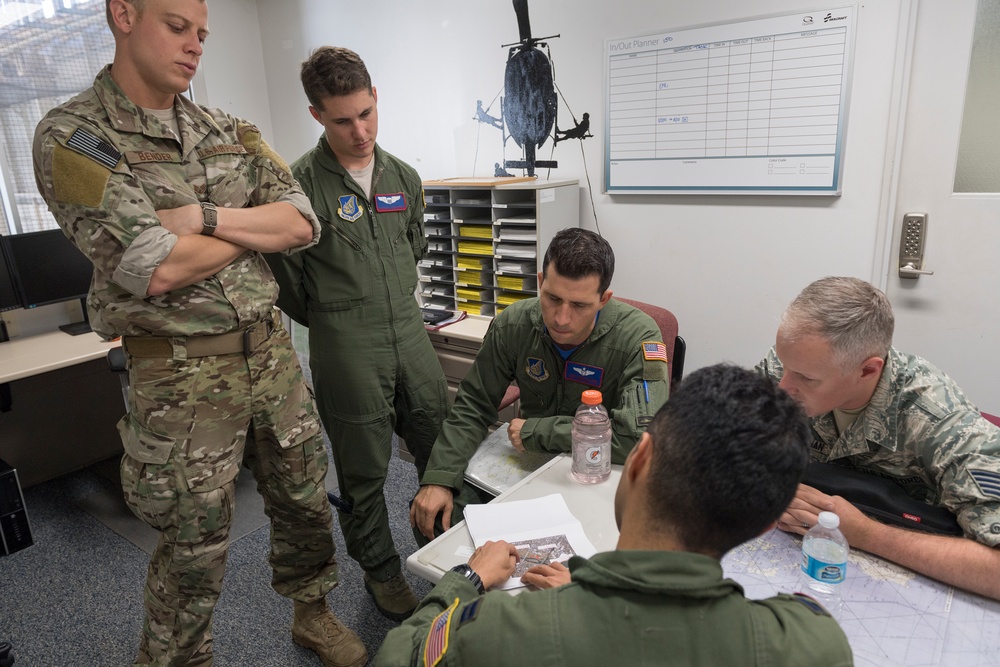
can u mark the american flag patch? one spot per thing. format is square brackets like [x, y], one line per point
[437, 639]
[988, 482]
[94, 147]
[654, 351]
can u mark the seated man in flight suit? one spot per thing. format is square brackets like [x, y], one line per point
[660, 598]
[572, 337]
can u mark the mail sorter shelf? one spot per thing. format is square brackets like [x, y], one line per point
[487, 240]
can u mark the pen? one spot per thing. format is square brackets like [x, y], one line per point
[646, 387]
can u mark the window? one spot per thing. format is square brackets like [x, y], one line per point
[50, 50]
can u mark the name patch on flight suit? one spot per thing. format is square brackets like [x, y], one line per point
[391, 203]
[350, 209]
[536, 369]
[437, 639]
[584, 374]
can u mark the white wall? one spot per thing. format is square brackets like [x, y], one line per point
[726, 265]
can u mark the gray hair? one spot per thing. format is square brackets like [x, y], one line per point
[852, 315]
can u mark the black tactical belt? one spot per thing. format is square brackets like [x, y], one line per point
[236, 342]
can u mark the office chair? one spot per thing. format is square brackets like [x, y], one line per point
[116, 361]
[993, 419]
[667, 323]
[668, 329]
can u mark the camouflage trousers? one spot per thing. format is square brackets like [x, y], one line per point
[191, 424]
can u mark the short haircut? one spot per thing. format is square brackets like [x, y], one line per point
[332, 71]
[852, 315]
[578, 253]
[140, 7]
[729, 449]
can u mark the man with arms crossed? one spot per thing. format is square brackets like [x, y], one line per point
[174, 204]
[570, 338]
[373, 365]
[716, 467]
[884, 412]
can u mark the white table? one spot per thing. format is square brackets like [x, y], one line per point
[892, 616]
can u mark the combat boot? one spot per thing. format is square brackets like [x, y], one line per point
[316, 628]
[393, 598]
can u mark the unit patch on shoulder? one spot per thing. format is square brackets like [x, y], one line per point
[97, 149]
[391, 203]
[988, 481]
[436, 644]
[583, 373]
[536, 369]
[350, 209]
[810, 604]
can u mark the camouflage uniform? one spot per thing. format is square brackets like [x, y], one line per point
[104, 167]
[621, 608]
[921, 431]
[517, 347]
[373, 365]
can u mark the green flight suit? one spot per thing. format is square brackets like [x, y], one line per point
[621, 608]
[373, 367]
[617, 358]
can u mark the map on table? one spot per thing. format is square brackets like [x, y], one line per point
[891, 615]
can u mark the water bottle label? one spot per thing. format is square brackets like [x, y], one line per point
[594, 456]
[828, 573]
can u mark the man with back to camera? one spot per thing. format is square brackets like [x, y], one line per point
[572, 337]
[891, 414]
[373, 365]
[660, 597]
[174, 204]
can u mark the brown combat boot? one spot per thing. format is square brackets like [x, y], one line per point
[316, 628]
[393, 598]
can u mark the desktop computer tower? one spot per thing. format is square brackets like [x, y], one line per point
[15, 533]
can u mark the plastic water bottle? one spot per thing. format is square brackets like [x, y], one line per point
[591, 440]
[824, 562]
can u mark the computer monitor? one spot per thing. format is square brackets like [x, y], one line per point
[9, 298]
[48, 268]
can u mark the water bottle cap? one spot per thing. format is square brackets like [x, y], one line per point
[591, 397]
[829, 520]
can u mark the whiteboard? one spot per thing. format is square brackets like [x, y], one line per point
[757, 106]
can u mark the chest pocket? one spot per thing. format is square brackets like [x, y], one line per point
[402, 250]
[227, 175]
[342, 277]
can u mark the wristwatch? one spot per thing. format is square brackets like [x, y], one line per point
[210, 218]
[471, 575]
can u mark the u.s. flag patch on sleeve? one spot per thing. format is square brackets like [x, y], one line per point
[437, 639]
[654, 352]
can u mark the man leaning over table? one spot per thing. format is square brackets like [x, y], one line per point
[572, 337]
[891, 414]
[660, 597]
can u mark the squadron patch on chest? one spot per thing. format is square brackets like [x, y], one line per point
[350, 209]
[536, 370]
[391, 203]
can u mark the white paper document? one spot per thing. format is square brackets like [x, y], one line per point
[543, 530]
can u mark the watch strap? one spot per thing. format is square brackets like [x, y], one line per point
[471, 575]
[210, 218]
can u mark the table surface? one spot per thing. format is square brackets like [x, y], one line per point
[892, 616]
[24, 357]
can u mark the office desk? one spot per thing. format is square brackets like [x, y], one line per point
[65, 403]
[892, 616]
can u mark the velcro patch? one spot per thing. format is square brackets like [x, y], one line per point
[988, 481]
[221, 149]
[437, 639]
[97, 149]
[138, 157]
[584, 374]
[391, 203]
[77, 179]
